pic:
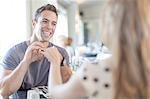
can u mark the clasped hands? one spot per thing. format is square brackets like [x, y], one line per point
[37, 50]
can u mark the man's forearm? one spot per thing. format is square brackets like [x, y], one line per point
[13, 81]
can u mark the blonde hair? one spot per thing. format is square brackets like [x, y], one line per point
[126, 29]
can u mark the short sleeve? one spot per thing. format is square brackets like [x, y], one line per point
[64, 54]
[10, 60]
[66, 57]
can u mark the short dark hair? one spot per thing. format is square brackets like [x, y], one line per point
[43, 8]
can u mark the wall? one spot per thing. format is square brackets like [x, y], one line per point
[91, 16]
[12, 23]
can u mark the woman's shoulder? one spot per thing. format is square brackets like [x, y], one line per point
[99, 66]
[96, 78]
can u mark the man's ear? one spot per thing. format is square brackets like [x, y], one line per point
[33, 23]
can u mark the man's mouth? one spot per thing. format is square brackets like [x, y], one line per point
[46, 33]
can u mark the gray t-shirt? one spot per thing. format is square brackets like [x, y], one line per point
[37, 74]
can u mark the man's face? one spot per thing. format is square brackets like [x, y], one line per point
[45, 26]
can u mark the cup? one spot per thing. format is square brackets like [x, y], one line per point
[32, 94]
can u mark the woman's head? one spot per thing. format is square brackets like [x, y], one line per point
[126, 28]
[70, 40]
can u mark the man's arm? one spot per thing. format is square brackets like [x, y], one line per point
[10, 81]
[66, 73]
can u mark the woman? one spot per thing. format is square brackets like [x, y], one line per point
[126, 29]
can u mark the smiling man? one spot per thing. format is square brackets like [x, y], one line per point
[27, 64]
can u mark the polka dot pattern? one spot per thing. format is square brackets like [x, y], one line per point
[97, 80]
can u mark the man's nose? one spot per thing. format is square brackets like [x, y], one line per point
[50, 26]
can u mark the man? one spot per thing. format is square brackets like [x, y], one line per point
[26, 65]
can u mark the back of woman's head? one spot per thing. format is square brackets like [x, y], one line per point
[70, 40]
[126, 29]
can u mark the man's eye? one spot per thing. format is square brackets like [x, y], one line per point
[44, 21]
[54, 24]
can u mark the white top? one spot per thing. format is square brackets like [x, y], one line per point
[97, 80]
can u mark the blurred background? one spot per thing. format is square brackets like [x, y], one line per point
[78, 19]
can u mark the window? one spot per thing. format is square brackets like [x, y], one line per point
[62, 23]
[12, 23]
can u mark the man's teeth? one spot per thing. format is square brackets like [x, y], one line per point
[46, 33]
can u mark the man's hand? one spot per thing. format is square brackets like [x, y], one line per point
[53, 55]
[33, 52]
